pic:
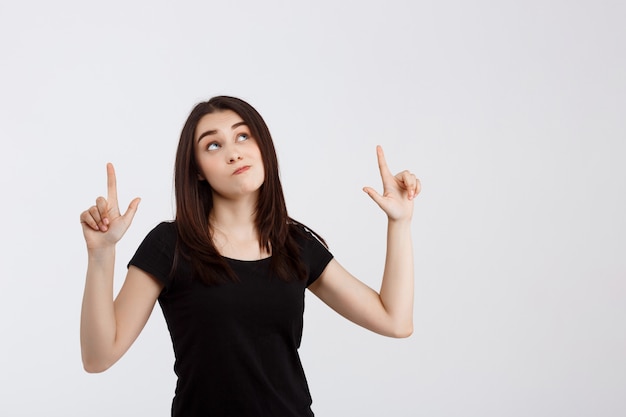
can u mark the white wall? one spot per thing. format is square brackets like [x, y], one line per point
[512, 113]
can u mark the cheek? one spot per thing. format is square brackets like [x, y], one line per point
[262, 167]
[259, 155]
[205, 169]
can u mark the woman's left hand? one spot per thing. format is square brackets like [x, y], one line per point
[398, 191]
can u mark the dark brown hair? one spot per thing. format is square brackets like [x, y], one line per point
[194, 202]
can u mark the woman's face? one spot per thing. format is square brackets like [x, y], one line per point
[227, 155]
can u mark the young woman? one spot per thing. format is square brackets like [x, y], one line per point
[230, 272]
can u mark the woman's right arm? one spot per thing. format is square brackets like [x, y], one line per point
[109, 327]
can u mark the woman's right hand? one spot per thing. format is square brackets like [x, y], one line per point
[103, 225]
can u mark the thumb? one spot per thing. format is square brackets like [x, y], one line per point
[131, 210]
[378, 199]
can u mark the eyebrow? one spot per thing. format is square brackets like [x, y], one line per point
[212, 132]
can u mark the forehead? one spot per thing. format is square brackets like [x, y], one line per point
[222, 120]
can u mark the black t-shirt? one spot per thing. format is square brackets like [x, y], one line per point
[236, 344]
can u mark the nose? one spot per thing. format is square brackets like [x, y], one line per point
[234, 157]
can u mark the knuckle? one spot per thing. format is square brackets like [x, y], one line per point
[94, 213]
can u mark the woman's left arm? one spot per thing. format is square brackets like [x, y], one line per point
[389, 312]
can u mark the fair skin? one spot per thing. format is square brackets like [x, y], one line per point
[230, 160]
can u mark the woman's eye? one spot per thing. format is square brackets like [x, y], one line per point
[213, 146]
[242, 136]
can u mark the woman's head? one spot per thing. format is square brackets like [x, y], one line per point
[195, 198]
[191, 192]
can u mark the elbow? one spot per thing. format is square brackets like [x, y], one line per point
[93, 370]
[94, 366]
[396, 327]
[403, 333]
[98, 359]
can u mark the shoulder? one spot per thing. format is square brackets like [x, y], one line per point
[304, 235]
[155, 255]
[314, 252]
[164, 232]
[159, 241]
[165, 227]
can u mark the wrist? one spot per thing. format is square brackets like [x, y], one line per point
[101, 253]
[400, 223]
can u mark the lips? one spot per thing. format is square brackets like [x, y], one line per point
[241, 170]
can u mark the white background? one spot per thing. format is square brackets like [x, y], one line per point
[512, 113]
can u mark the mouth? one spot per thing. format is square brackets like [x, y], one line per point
[241, 170]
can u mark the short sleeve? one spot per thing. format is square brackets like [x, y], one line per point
[316, 256]
[155, 255]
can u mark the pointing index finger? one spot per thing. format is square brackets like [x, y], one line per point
[382, 163]
[111, 185]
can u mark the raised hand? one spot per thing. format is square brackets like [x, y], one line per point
[398, 191]
[103, 225]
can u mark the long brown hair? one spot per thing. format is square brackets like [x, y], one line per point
[194, 202]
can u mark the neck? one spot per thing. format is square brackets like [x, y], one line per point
[233, 229]
[233, 214]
